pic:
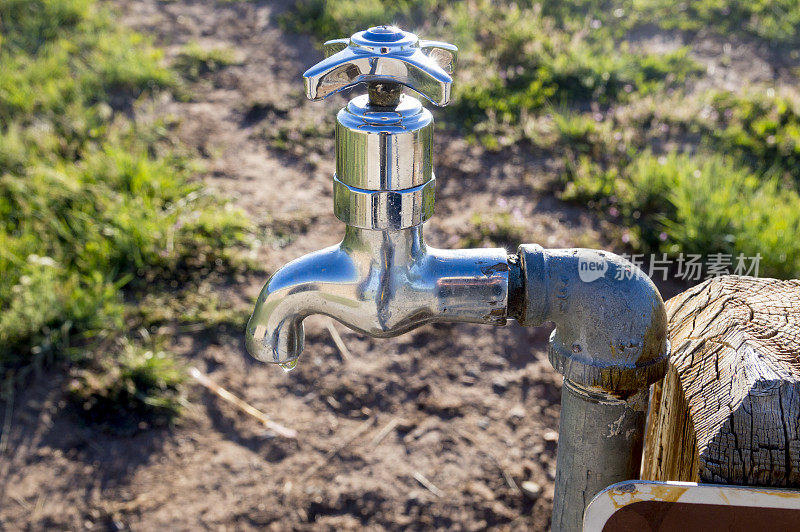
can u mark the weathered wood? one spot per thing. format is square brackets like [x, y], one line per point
[729, 409]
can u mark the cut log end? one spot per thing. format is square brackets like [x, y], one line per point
[729, 409]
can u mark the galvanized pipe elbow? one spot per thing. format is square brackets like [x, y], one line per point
[611, 325]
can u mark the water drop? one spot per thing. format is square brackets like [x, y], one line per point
[289, 366]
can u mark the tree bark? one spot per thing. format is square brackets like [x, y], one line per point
[728, 410]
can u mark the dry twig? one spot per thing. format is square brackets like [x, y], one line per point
[506, 476]
[385, 431]
[337, 339]
[241, 405]
[419, 477]
[21, 502]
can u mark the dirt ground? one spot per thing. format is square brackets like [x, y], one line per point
[471, 411]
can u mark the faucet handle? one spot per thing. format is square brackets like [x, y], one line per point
[384, 54]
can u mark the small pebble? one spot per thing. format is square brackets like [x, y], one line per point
[531, 489]
[483, 423]
[517, 412]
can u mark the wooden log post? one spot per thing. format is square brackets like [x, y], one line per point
[728, 411]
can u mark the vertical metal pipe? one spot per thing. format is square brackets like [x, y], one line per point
[600, 440]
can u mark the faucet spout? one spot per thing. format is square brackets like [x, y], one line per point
[300, 288]
[381, 283]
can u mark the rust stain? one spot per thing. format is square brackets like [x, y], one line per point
[655, 336]
[627, 494]
[669, 493]
[782, 493]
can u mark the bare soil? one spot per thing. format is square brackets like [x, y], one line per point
[473, 409]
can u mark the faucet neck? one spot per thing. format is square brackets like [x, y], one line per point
[405, 245]
[384, 165]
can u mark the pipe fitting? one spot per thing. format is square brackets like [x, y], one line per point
[611, 325]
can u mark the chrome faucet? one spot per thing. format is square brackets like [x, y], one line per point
[610, 339]
[381, 279]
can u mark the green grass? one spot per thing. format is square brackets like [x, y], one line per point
[95, 210]
[677, 203]
[495, 229]
[129, 389]
[519, 63]
[714, 172]
[196, 61]
[762, 128]
[774, 21]
[685, 170]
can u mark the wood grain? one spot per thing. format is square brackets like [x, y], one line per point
[729, 409]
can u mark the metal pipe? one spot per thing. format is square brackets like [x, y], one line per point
[610, 343]
[600, 443]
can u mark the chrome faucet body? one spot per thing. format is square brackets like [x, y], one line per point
[610, 340]
[381, 283]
